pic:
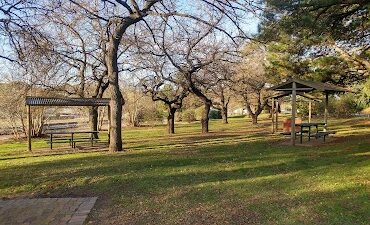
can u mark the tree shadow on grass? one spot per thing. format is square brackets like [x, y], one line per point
[263, 201]
[246, 182]
[148, 171]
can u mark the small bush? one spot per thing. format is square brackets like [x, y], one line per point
[342, 107]
[215, 114]
[152, 115]
[188, 116]
[346, 106]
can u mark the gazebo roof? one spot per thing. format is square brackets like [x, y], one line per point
[307, 86]
[49, 101]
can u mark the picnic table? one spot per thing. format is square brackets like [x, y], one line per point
[72, 139]
[309, 125]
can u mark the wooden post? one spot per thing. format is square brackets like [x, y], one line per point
[109, 126]
[276, 116]
[294, 110]
[51, 141]
[29, 119]
[309, 111]
[272, 114]
[326, 111]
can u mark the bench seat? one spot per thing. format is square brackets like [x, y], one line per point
[84, 140]
[289, 133]
[59, 141]
[320, 134]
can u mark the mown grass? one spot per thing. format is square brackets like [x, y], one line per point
[237, 174]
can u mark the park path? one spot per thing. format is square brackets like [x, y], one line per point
[39, 211]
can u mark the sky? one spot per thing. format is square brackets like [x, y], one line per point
[250, 25]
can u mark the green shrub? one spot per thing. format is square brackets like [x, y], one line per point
[346, 106]
[188, 116]
[215, 114]
[152, 116]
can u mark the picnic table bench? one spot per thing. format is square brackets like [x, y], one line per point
[306, 128]
[72, 139]
[323, 134]
[318, 133]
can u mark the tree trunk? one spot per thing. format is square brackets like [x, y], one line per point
[93, 119]
[207, 103]
[116, 103]
[258, 109]
[254, 118]
[205, 116]
[171, 120]
[253, 115]
[224, 114]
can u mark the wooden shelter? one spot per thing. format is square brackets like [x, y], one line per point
[296, 87]
[50, 101]
[275, 106]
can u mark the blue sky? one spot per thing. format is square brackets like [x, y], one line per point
[250, 26]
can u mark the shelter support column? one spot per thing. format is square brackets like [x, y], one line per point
[309, 111]
[326, 111]
[29, 127]
[294, 110]
[277, 116]
[109, 123]
[272, 114]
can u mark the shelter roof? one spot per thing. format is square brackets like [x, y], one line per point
[307, 86]
[50, 101]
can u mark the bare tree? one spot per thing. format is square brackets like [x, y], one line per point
[190, 50]
[220, 91]
[222, 101]
[13, 112]
[167, 91]
[250, 81]
[135, 104]
[19, 20]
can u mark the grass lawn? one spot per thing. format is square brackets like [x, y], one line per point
[237, 174]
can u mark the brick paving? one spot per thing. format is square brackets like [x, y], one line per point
[39, 211]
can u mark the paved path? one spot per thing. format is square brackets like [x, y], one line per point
[39, 211]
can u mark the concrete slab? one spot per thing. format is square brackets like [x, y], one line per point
[38, 211]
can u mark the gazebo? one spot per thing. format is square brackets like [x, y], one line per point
[275, 106]
[296, 87]
[32, 101]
